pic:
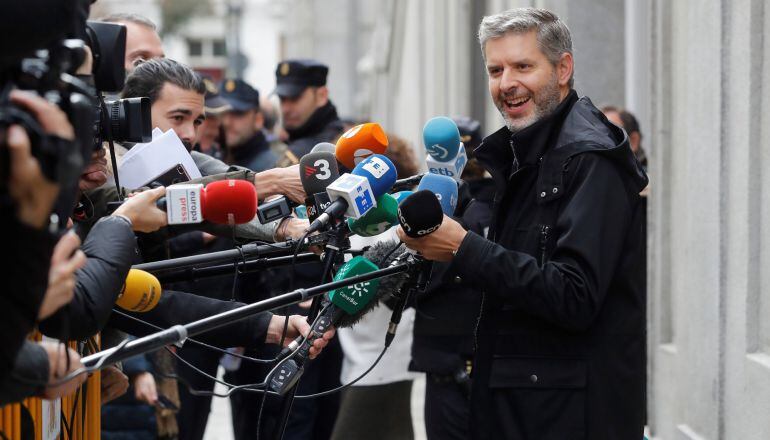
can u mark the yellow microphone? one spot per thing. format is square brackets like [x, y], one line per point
[140, 293]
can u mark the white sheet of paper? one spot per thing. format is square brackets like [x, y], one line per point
[144, 162]
[156, 133]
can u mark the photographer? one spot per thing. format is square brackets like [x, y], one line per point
[25, 210]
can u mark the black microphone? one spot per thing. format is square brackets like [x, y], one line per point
[420, 214]
[316, 171]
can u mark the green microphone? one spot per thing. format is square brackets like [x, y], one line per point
[350, 303]
[378, 219]
[346, 307]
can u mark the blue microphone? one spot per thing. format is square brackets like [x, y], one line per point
[446, 154]
[445, 189]
[401, 195]
[442, 138]
[355, 193]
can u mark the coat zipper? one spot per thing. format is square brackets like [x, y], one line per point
[490, 236]
[544, 230]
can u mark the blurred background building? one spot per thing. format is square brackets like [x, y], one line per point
[692, 71]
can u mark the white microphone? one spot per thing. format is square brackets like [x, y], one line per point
[452, 168]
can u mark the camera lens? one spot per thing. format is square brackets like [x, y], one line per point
[128, 119]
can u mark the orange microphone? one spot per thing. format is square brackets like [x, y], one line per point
[140, 293]
[360, 142]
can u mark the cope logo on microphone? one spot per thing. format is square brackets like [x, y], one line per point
[428, 231]
[403, 222]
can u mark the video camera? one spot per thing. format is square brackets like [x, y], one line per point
[50, 71]
[122, 120]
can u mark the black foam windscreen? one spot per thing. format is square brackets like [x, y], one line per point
[420, 214]
[317, 171]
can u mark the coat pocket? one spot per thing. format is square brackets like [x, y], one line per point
[539, 398]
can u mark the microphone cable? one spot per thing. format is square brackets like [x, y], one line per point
[270, 374]
[341, 387]
[253, 387]
[70, 376]
[196, 342]
[390, 252]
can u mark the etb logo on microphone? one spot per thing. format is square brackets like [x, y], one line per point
[438, 152]
[452, 168]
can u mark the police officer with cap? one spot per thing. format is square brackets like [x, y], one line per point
[309, 117]
[211, 138]
[243, 124]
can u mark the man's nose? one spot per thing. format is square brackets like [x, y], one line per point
[509, 80]
[187, 133]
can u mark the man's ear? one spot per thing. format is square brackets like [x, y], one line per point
[564, 68]
[322, 96]
[634, 139]
[259, 120]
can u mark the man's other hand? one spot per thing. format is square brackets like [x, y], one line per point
[95, 173]
[58, 354]
[280, 181]
[297, 326]
[33, 193]
[291, 227]
[141, 210]
[145, 389]
[114, 383]
[66, 259]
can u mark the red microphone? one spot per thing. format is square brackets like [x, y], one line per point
[223, 202]
[360, 142]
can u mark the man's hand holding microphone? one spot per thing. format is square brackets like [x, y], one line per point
[440, 245]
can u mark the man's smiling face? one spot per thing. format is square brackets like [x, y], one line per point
[525, 86]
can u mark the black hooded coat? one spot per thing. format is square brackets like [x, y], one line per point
[560, 343]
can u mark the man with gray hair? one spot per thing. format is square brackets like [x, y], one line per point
[142, 39]
[560, 341]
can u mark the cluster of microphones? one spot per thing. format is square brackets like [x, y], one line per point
[360, 201]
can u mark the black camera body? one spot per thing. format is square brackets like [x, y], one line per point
[47, 74]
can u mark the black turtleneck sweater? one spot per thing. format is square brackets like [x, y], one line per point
[323, 126]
